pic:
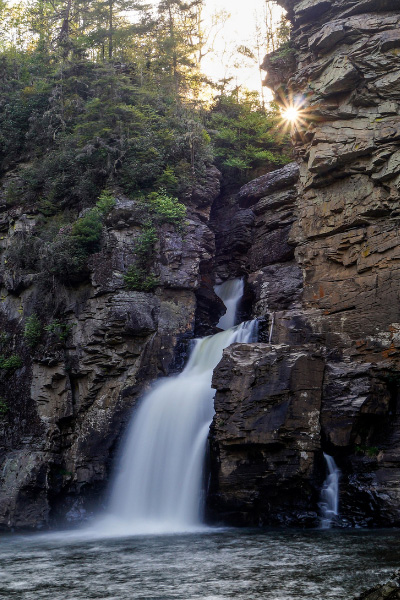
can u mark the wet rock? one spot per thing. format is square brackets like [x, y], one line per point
[387, 591]
[63, 412]
[323, 271]
[253, 191]
[266, 434]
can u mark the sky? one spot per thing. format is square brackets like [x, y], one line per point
[239, 30]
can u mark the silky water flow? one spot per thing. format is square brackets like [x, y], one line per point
[159, 483]
[329, 504]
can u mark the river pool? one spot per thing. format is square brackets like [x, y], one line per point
[214, 565]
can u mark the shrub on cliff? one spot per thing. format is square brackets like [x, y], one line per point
[140, 276]
[59, 248]
[10, 363]
[32, 330]
[166, 209]
[139, 280]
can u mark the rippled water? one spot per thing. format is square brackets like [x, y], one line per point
[239, 564]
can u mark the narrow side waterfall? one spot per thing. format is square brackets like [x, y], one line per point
[271, 329]
[158, 488]
[329, 504]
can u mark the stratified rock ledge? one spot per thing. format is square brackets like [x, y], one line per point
[387, 591]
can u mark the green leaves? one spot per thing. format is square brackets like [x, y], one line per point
[245, 136]
[166, 208]
[86, 231]
[139, 276]
[32, 330]
[10, 363]
[139, 280]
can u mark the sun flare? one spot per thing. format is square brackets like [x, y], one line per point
[291, 113]
[295, 115]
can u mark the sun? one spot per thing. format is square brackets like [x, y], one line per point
[295, 115]
[291, 113]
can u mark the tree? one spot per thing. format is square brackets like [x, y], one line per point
[277, 30]
[245, 136]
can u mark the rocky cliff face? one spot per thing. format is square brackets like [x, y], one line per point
[323, 269]
[63, 411]
[317, 242]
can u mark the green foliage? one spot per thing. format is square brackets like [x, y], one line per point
[371, 451]
[64, 258]
[83, 126]
[139, 280]
[166, 208]
[144, 246]
[32, 330]
[4, 408]
[86, 231]
[245, 137]
[139, 276]
[60, 248]
[10, 363]
[59, 329]
[168, 180]
[105, 203]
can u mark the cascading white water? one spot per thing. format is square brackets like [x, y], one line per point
[271, 329]
[230, 293]
[158, 487]
[329, 504]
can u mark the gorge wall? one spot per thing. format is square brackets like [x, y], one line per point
[65, 407]
[317, 242]
[323, 268]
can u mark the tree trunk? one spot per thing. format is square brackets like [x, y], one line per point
[110, 29]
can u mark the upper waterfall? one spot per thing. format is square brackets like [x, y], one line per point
[158, 487]
[231, 293]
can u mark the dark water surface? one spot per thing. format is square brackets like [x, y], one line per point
[225, 564]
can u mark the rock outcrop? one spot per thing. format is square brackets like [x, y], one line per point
[266, 434]
[323, 270]
[64, 407]
[388, 591]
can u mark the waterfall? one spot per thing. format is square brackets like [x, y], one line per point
[230, 293]
[329, 504]
[271, 329]
[158, 487]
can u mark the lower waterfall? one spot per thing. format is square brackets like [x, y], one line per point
[159, 485]
[329, 504]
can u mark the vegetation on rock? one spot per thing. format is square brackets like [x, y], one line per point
[32, 330]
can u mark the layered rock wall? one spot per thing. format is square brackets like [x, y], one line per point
[63, 411]
[340, 230]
